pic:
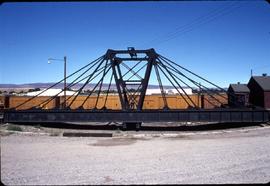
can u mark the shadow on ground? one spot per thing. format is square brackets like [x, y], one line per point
[199, 127]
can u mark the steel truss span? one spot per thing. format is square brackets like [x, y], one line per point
[131, 71]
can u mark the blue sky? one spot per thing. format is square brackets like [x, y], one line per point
[221, 41]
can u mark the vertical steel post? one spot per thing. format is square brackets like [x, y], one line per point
[202, 101]
[199, 96]
[151, 59]
[7, 102]
[65, 83]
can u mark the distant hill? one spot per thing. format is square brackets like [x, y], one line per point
[61, 85]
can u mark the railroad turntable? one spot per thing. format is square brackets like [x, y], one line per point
[131, 71]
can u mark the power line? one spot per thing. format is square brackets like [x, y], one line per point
[218, 12]
[192, 27]
[260, 67]
[179, 28]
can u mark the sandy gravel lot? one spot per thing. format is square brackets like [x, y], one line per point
[237, 156]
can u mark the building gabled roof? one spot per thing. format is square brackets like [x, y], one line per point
[240, 88]
[263, 82]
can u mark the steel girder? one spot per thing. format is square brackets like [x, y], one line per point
[213, 115]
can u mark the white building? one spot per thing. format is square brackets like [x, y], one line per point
[171, 91]
[51, 92]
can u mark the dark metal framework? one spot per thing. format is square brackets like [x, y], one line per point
[131, 71]
[186, 115]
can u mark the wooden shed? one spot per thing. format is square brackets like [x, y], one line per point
[260, 91]
[238, 95]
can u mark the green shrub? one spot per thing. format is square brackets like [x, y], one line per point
[54, 134]
[14, 128]
[38, 126]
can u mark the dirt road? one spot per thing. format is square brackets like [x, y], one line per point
[238, 156]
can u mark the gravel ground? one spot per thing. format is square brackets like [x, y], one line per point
[235, 156]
